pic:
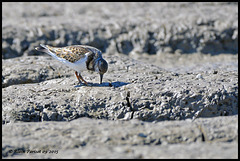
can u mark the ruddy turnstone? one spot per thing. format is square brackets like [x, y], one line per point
[79, 58]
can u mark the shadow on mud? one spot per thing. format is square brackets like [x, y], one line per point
[104, 84]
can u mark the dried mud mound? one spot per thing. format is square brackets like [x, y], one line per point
[131, 89]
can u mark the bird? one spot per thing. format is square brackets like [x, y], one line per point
[78, 58]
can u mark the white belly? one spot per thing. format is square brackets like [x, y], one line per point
[80, 65]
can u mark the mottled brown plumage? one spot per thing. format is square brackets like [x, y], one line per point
[70, 53]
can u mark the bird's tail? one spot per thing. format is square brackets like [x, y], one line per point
[42, 48]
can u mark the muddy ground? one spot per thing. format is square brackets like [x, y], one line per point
[171, 90]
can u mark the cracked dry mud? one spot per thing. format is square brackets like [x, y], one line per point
[132, 92]
[154, 93]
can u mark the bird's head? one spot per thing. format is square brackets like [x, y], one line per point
[101, 68]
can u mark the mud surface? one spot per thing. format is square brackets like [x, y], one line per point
[90, 138]
[171, 90]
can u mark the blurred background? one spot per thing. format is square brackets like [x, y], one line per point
[167, 34]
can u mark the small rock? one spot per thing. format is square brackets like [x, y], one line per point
[199, 76]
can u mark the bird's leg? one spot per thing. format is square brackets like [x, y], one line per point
[80, 78]
[76, 73]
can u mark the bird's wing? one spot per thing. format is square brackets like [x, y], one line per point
[70, 53]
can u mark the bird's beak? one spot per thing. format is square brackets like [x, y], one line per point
[101, 77]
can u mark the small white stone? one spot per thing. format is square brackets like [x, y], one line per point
[199, 76]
